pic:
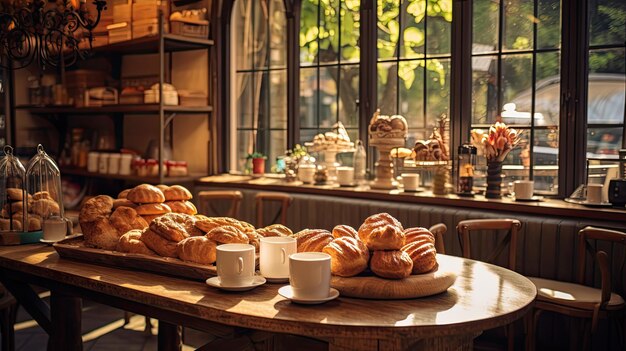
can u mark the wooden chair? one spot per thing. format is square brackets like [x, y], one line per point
[439, 230]
[464, 228]
[206, 198]
[283, 198]
[579, 300]
[8, 315]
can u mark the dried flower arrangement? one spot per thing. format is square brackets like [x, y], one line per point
[499, 141]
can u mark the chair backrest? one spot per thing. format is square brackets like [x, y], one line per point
[584, 246]
[207, 198]
[464, 228]
[439, 230]
[283, 198]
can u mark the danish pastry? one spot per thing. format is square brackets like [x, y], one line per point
[131, 243]
[227, 235]
[197, 249]
[158, 244]
[312, 240]
[345, 230]
[170, 226]
[145, 194]
[393, 264]
[348, 256]
[207, 223]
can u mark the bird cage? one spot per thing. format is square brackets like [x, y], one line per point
[14, 198]
[43, 182]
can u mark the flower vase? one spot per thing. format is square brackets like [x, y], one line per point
[494, 180]
[439, 180]
[258, 166]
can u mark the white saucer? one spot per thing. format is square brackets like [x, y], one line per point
[277, 280]
[596, 204]
[216, 283]
[50, 242]
[286, 292]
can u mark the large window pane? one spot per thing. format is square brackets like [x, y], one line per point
[388, 28]
[309, 31]
[484, 89]
[518, 24]
[387, 88]
[485, 25]
[278, 99]
[348, 96]
[308, 98]
[516, 81]
[413, 33]
[607, 24]
[412, 97]
[278, 37]
[350, 31]
[439, 28]
[548, 24]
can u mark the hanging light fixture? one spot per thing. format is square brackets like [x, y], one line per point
[49, 32]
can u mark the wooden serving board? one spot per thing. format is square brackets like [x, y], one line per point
[74, 248]
[372, 287]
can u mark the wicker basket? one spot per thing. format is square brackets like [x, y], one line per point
[191, 29]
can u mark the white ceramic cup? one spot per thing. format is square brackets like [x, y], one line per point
[524, 189]
[594, 193]
[54, 228]
[274, 256]
[411, 181]
[306, 173]
[345, 175]
[309, 275]
[235, 264]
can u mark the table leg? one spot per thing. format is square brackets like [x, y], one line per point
[28, 298]
[169, 337]
[66, 316]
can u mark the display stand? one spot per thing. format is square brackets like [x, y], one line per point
[330, 157]
[384, 169]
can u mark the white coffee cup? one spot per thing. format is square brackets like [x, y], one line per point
[274, 256]
[594, 193]
[306, 173]
[411, 181]
[309, 275]
[54, 228]
[524, 189]
[235, 264]
[345, 175]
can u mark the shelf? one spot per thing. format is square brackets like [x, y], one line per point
[150, 45]
[132, 178]
[127, 109]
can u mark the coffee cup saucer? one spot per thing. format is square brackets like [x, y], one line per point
[216, 283]
[530, 199]
[287, 292]
[277, 280]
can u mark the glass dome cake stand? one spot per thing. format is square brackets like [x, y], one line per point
[330, 152]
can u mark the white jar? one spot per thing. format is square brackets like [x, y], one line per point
[125, 164]
[114, 163]
[103, 163]
[92, 161]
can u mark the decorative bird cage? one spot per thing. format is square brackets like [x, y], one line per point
[43, 182]
[14, 198]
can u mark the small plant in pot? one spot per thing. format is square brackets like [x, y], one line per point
[258, 162]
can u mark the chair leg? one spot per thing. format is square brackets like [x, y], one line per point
[510, 336]
[7, 322]
[586, 325]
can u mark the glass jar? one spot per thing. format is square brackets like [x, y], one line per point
[14, 199]
[465, 169]
[43, 182]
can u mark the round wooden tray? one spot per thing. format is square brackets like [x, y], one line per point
[372, 287]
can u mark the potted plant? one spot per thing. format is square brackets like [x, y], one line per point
[258, 162]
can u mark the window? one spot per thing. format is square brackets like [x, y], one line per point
[516, 78]
[260, 81]
[329, 66]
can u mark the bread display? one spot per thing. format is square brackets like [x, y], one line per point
[15, 208]
[145, 194]
[206, 224]
[393, 264]
[182, 207]
[15, 194]
[170, 227]
[125, 219]
[197, 249]
[345, 230]
[349, 256]
[158, 244]
[382, 232]
[100, 234]
[336, 139]
[176, 193]
[313, 240]
[131, 243]
[274, 230]
[387, 127]
[228, 235]
[45, 207]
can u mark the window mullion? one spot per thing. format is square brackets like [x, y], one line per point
[461, 74]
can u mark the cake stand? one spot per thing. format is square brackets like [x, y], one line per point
[330, 152]
[384, 168]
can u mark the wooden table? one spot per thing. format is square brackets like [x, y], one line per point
[483, 297]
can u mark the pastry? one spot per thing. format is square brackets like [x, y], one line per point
[145, 194]
[123, 202]
[123, 194]
[17, 206]
[393, 264]
[345, 230]
[312, 240]
[254, 239]
[177, 193]
[162, 187]
[418, 233]
[45, 207]
[423, 254]
[5, 224]
[42, 195]
[153, 209]
[15, 194]
[158, 244]
[100, 234]
[197, 249]
[382, 232]
[131, 243]
[125, 219]
[96, 208]
[348, 256]
[207, 223]
[182, 207]
[387, 127]
[149, 218]
[170, 226]
[227, 235]
[34, 224]
[274, 230]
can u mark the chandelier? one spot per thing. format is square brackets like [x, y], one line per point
[46, 31]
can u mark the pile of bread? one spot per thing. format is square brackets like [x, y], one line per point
[39, 205]
[381, 244]
[339, 136]
[384, 127]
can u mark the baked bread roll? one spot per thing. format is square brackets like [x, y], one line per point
[34, 224]
[153, 209]
[158, 244]
[145, 194]
[182, 207]
[254, 239]
[312, 240]
[170, 226]
[345, 230]
[274, 230]
[227, 235]
[45, 207]
[123, 194]
[382, 232]
[96, 208]
[149, 218]
[5, 224]
[206, 224]
[418, 234]
[197, 249]
[42, 195]
[14, 194]
[162, 187]
[423, 254]
[348, 256]
[123, 202]
[131, 243]
[125, 219]
[15, 207]
[100, 234]
[177, 193]
[393, 264]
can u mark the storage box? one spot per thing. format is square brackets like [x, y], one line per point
[196, 29]
[192, 98]
[122, 13]
[119, 32]
[143, 28]
[149, 10]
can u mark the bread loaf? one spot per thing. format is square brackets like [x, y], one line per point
[182, 207]
[423, 254]
[145, 194]
[176, 193]
[418, 234]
